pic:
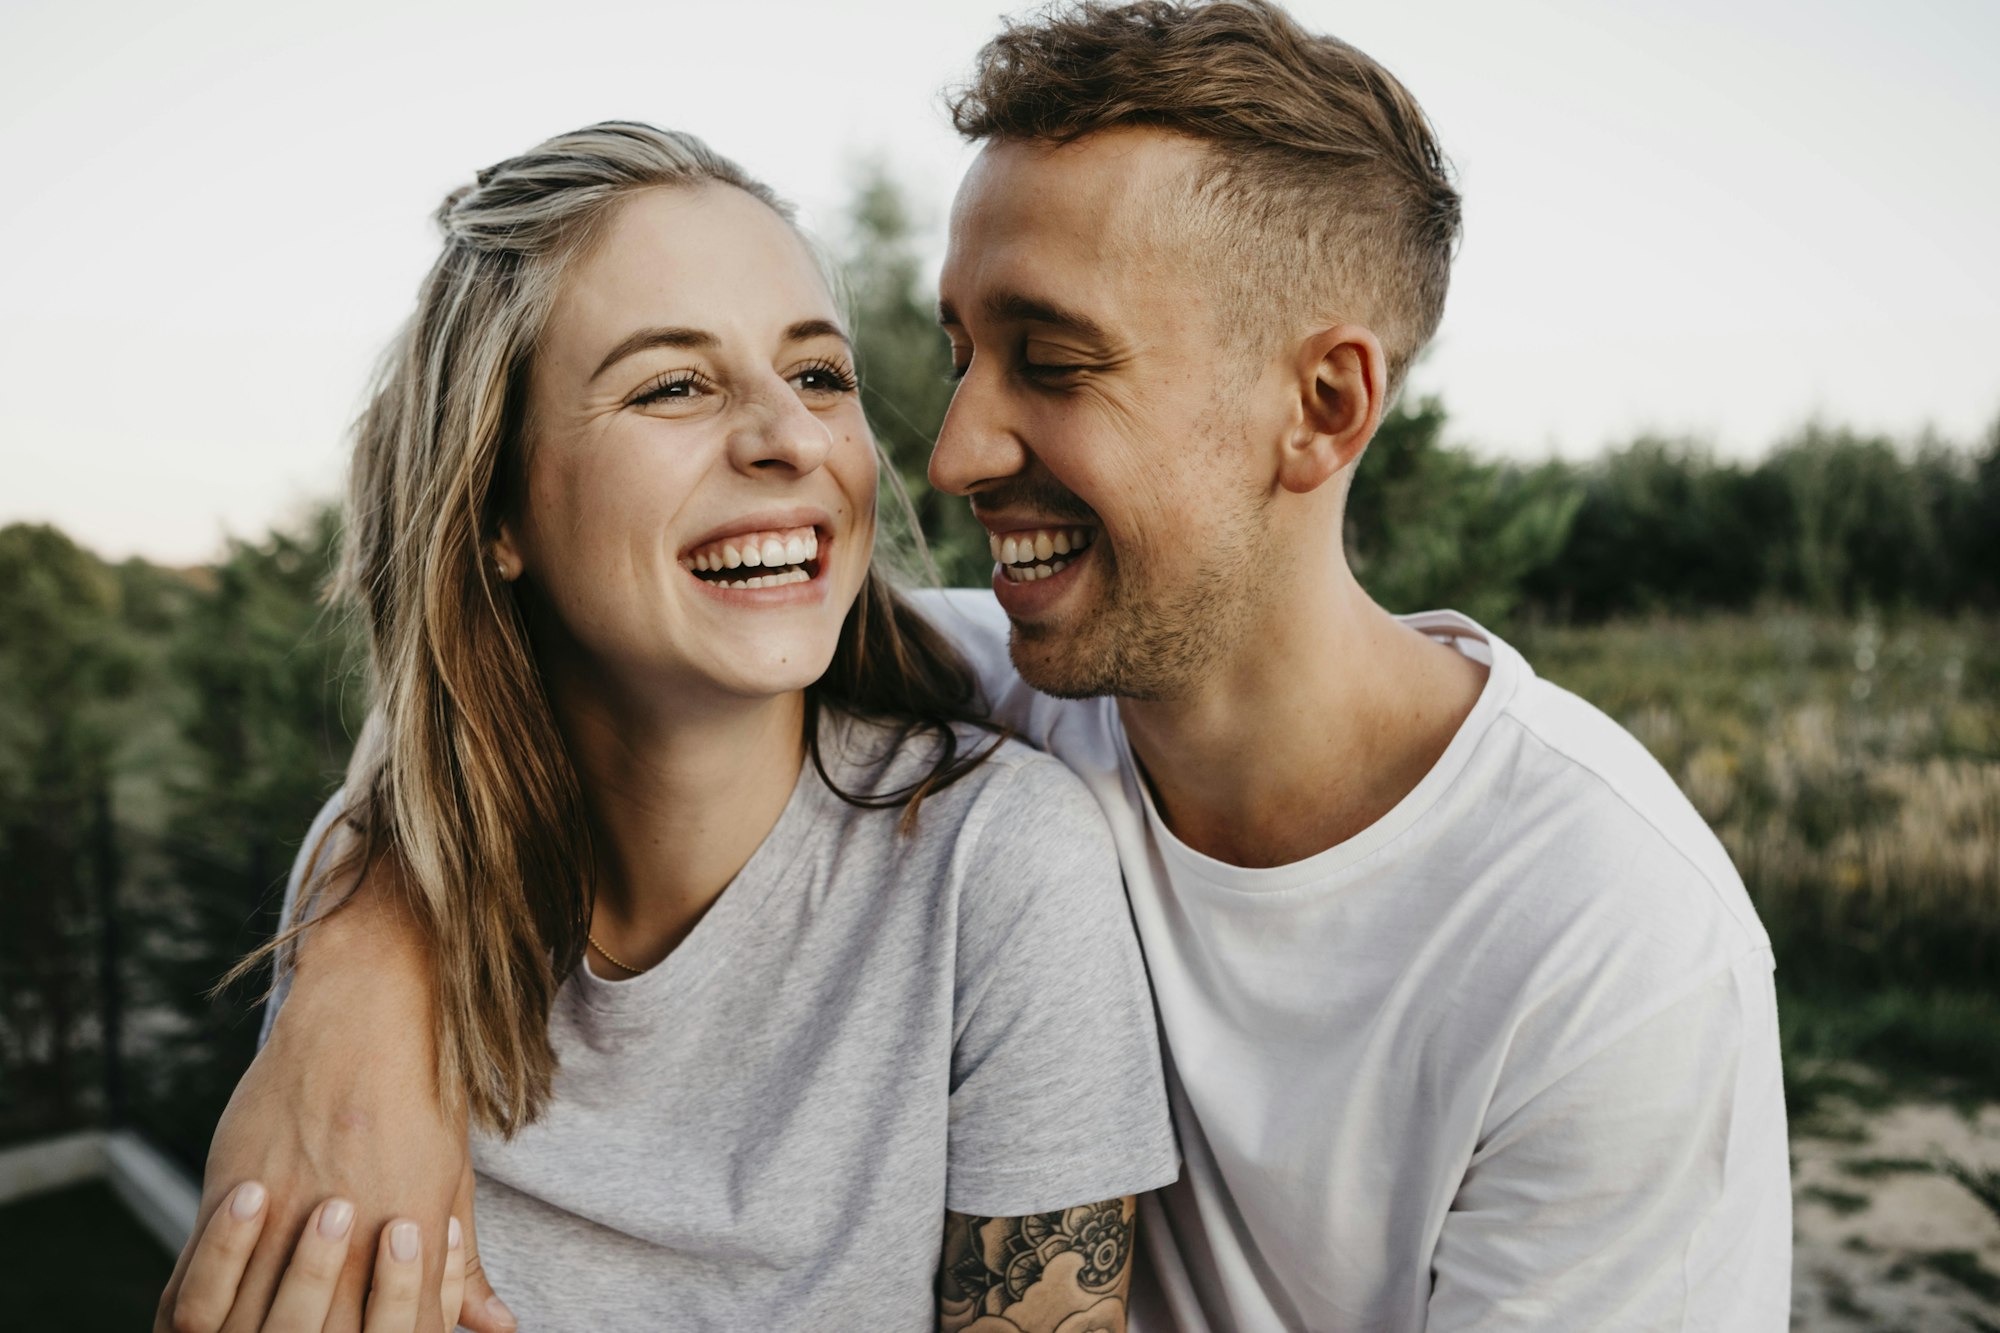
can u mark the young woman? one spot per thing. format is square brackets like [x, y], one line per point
[776, 992]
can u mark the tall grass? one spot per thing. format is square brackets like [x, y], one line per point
[1852, 769]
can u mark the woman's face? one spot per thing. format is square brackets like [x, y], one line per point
[700, 497]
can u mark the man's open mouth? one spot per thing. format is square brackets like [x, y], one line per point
[757, 559]
[1038, 553]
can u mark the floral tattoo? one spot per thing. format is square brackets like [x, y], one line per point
[1062, 1272]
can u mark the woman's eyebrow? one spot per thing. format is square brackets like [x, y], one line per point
[816, 328]
[702, 340]
[660, 337]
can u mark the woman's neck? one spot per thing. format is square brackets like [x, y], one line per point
[679, 799]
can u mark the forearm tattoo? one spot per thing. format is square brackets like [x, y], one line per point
[1031, 1274]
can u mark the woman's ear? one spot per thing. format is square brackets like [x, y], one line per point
[1343, 381]
[504, 555]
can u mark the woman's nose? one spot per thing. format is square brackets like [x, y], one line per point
[779, 431]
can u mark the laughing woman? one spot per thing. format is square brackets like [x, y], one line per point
[777, 993]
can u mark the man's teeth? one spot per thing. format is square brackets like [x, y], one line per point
[1036, 549]
[1029, 573]
[766, 550]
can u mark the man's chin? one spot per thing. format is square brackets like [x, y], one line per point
[1056, 664]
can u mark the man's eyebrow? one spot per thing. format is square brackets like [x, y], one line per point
[661, 337]
[1017, 308]
[1033, 310]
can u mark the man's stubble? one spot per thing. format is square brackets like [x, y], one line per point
[1157, 643]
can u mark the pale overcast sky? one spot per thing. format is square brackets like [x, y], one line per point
[1710, 217]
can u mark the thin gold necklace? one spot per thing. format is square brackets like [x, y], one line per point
[609, 957]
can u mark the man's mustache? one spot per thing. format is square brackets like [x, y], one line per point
[1041, 498]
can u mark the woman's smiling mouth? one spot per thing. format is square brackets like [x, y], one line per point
[774, 558]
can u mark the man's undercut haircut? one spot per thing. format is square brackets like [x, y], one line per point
[1324, 195]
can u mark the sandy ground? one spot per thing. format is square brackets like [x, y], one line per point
[1882, 1240]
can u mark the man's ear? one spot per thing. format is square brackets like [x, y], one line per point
[1343, 384]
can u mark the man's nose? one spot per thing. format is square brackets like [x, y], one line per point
[977, 444]
[778, 431]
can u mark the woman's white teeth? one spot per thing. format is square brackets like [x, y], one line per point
[764, 580]
[766, 550]
[1034, 550]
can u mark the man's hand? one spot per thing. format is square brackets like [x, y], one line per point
[217, 1263]
[342, 1103]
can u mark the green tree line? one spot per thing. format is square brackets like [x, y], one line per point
[1830, 519]
[167, 734]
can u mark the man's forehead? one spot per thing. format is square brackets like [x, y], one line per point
[1122, 175]
[1071, 224]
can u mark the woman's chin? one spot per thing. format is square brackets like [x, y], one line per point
[762, 675]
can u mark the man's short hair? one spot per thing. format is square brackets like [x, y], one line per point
[1324, 193]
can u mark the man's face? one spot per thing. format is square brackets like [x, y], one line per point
[1097, 410]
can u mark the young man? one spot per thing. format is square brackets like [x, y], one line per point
[1469, 1022]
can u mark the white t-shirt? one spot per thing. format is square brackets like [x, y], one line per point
[1506, 1059]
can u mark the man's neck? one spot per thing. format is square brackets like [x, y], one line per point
[1330, 714]
[680, 797]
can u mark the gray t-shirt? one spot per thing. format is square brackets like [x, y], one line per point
[865, 1030]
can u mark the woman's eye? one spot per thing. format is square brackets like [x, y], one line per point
[682, 384]
[825, 377]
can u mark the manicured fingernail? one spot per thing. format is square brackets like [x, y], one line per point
[335, 1218]
[403, 1242]
[497, 1311]
[249, 1198]
[453, 1235]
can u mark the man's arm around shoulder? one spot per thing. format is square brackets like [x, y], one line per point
[343, 1101]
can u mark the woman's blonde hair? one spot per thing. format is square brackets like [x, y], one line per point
[462, 790]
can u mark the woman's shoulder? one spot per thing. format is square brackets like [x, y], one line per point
[875, 759]
[1017, 846]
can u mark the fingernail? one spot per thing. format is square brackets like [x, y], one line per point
[498, 1311]
[403, 1242]
[335, 1218]
[249, 1198]
[454, 1237]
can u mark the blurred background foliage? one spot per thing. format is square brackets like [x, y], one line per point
[161, 732]
[1810, 641]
